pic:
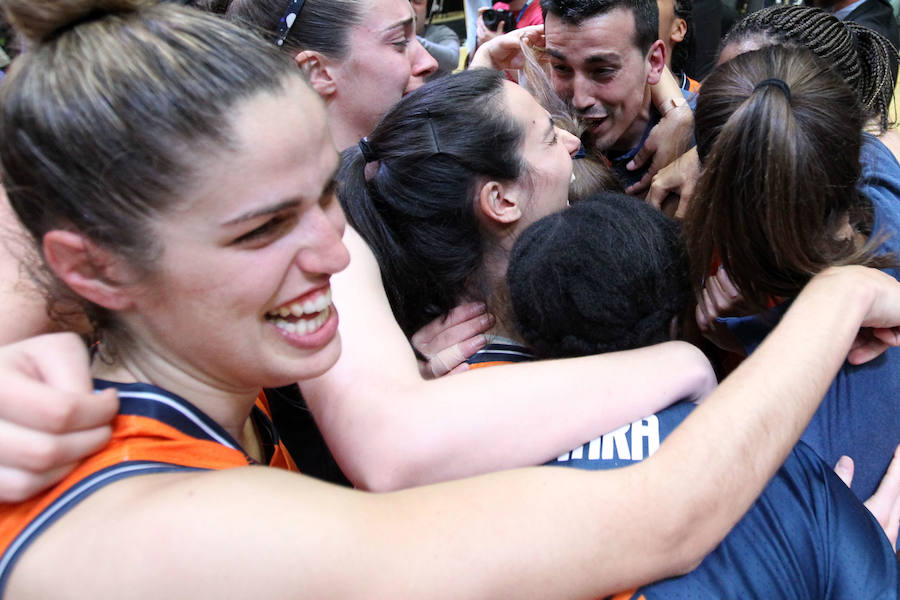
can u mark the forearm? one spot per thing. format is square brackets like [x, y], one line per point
[389, 428]
[391, 434]
[731, 445]
[665, 89]
[542, 533]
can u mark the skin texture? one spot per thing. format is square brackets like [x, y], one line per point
[385, 61]
[548, 152]
[260, 231]
[672, 29]
[487, 541]
[597, 67]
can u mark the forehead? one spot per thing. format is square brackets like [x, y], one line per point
[610, 34]
[524, 108]
[383, 14]
[281, 148]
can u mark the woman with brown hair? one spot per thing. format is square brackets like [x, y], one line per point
[782, 196]
[209, 278]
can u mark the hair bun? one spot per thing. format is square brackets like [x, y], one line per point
[39, 21]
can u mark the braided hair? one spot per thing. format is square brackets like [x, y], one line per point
[865, 59]
[607, 274]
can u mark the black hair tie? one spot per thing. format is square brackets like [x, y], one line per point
[367, 152]
[780, 84]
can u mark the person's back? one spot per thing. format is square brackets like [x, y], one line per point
[618, 269]
[813, 193]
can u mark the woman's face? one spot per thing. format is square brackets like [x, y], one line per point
[385, 60]
[240, 295]
[547, 150]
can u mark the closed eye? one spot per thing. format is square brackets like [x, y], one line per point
[272, 229]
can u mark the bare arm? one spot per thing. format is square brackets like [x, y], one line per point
[670, 137]
[388, 428]
[542, 533]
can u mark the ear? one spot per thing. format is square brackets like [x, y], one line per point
[90, 271]
[317, 69]
[679, 30]
[656, 59]
[498, 203]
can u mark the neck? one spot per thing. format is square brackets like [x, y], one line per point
[227, 405]
[344, 133]
[490, 285]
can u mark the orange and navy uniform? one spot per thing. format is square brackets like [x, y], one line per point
[154, 432]
[806, 537]
[499, 354]
[689, 85]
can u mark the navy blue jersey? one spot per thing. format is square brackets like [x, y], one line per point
[860, 414]
[806, 537]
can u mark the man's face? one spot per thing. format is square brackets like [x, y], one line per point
[598, 69]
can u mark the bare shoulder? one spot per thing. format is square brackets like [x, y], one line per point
[187, 534]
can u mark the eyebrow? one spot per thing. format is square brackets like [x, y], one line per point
[602, 57]
[260, 212]
[402, 25]
[285, 204]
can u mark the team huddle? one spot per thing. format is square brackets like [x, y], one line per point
[299, 304]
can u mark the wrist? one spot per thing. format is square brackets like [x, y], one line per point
[670, 104]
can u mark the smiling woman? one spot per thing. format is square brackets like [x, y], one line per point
[191, 240]
[360, 56]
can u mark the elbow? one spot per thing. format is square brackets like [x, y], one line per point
[686, 541]
[387, 466]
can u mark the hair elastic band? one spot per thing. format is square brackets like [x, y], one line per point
[287, 21]
[367, 152]
[780, 84]
[434, 139]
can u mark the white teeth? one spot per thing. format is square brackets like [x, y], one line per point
[304, 326]
[309, 307]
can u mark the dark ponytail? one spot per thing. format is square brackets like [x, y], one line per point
[413, 202]
[780, 170]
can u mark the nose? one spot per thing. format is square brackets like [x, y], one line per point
[421, 62]
[570, 141]
[323, 252]
[582, 99]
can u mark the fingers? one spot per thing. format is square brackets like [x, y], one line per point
[450, 359]
[642, 156]
[867, 346]
[844, 469]
[885, 502]
[661, 187]
[17, 485]
[40, 452]
[636, 189]
[426, 339]
[48, 386]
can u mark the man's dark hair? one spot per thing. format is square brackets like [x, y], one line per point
[646, 15]
[607, 274]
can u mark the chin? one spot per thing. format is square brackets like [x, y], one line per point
[314, 365]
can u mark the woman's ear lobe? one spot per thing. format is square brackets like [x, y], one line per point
[90, 271]
[497, 205]
[317, 69]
